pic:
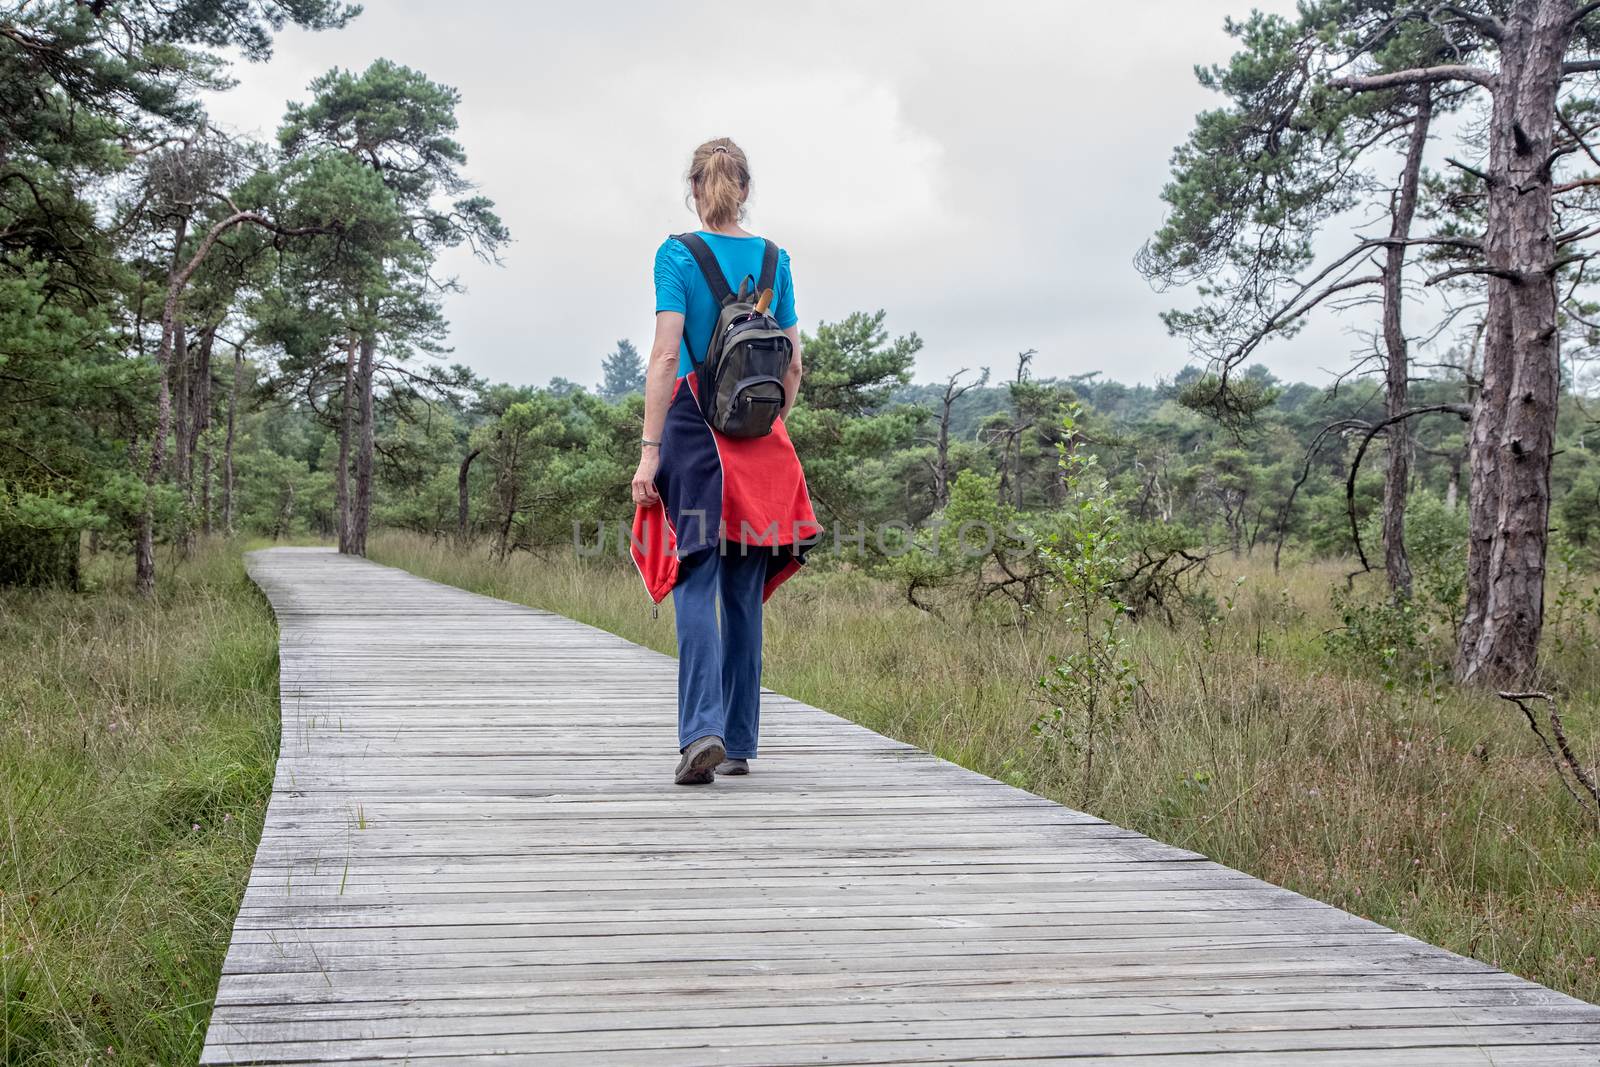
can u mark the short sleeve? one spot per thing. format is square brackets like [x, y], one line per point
[672, 289]
[783, 300]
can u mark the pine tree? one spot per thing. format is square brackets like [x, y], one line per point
[400, 124]
[1305, 140]
[623, 372]
[86, 92]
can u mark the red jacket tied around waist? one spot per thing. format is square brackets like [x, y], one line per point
[743, 491]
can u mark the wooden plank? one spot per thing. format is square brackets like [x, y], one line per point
[648, 1010]
[474, 854]
[776, 1037]
[925, 1018]
[1396, 1044]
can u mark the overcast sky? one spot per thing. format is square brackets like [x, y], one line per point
[985, 172]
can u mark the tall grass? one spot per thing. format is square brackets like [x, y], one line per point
[137, 743]
[1401, 798]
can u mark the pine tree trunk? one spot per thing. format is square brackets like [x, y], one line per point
[1513, 425]
[1016, 472]
[1397, 476]
[503, 546]
[144, 554]
[200, 396]
[285, 519]
[462, 512]
[144, 557]
[194, 396]
[180, 400]
[227, 455]
[205, 491]
[508, 454]
[341, 477]
[361, 515]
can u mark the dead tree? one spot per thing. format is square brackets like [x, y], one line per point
[462, 513]
[940, 464]
[1569, 769]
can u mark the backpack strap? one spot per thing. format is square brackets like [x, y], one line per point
[769, 268]
[709, 267]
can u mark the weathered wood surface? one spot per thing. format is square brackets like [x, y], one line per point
[474, 853]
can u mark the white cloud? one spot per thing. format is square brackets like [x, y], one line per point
[983, 172]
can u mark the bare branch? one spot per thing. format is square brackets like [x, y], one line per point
[1584, 12]
[1462, 410]
[1496, 272]
[1439, 242]
[1581, 183]
[1338, 426]
[1474, 171]
[1487, 25]
[1303, 301]
[1565, 763]
[1366, 83]
[1578, 141]
[1581, 234]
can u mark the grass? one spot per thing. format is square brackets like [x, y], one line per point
[1360, 780]
[137, 743]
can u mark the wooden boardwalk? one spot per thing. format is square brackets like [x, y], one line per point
[474, 854]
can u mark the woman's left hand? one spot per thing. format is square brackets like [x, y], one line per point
[644, 479]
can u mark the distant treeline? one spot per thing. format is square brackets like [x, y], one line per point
[519, 466]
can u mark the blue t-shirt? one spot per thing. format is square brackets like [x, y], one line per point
[681, 288]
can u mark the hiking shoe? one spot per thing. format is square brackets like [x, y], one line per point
[730, 767]
[699, 763]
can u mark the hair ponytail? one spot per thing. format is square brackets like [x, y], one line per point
[719, 181]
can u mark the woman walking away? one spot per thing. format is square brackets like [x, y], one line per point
[722, 516]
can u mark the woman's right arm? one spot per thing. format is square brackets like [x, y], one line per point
[659, 377]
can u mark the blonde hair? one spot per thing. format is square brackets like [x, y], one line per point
[719, 182]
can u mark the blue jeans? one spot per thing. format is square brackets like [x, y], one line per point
[719, 659]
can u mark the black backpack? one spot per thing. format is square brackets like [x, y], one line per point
[741, 374]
